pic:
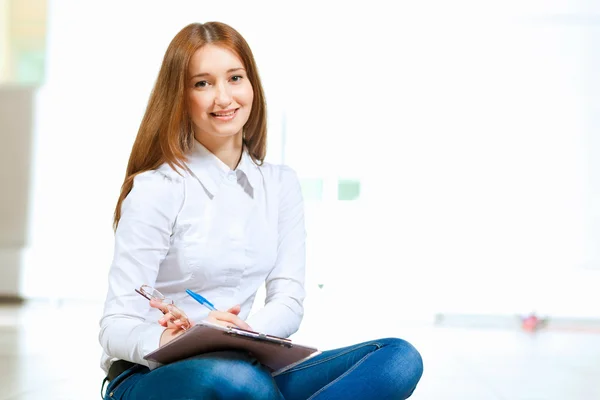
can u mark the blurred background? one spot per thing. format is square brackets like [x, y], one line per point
[449, 154]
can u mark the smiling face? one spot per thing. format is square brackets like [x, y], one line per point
[219, 94]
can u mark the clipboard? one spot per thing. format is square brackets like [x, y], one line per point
[278, 354]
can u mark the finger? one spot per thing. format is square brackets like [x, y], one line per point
[173, 318]
[242, 324]
[216, 321]
[168, 320]
[235, 309]
[183, 323]
[176, 323]
[159, 305]
[226, 324]
[231, 318]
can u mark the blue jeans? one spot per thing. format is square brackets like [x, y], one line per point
[380, 369]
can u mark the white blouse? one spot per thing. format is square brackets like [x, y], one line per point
[218, 232]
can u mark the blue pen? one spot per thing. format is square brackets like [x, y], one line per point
[201, 300]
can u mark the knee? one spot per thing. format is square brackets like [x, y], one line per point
[246, 380]
[404, 361]
[235, 379]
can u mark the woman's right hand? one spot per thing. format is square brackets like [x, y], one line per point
[228, 318]
[175, 324]
[169, 334]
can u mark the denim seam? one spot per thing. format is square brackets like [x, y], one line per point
[110, 390]
[308, 365]
[341, 376]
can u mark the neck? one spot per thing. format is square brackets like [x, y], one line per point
[227, 149]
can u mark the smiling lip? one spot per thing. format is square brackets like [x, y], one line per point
[225, 115]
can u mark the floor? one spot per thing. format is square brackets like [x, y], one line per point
[50, 351]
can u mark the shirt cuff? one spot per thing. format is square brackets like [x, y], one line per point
[149, 341]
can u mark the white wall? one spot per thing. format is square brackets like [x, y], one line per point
[471, 127]
[468, 126]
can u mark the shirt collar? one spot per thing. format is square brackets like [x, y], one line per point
[211, 171]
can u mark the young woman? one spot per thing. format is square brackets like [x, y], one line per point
[200, 210]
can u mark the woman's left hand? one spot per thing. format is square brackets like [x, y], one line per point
[228, 318]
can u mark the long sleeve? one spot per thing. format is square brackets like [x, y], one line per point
[285, 292]
[142, 241]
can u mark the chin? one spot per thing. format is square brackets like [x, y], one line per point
[230, 134]
[226, 134]
[219, 132]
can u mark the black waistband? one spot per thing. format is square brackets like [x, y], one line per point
[117, 368]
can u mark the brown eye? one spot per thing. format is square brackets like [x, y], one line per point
[201, 84]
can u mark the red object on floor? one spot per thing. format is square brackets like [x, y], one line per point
[532, 323]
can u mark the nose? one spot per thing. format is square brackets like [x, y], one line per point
[223, 96]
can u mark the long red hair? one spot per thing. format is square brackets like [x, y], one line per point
[165, 134]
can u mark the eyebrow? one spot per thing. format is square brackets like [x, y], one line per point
[207, 74]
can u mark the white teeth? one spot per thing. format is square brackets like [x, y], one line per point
[225, 115]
